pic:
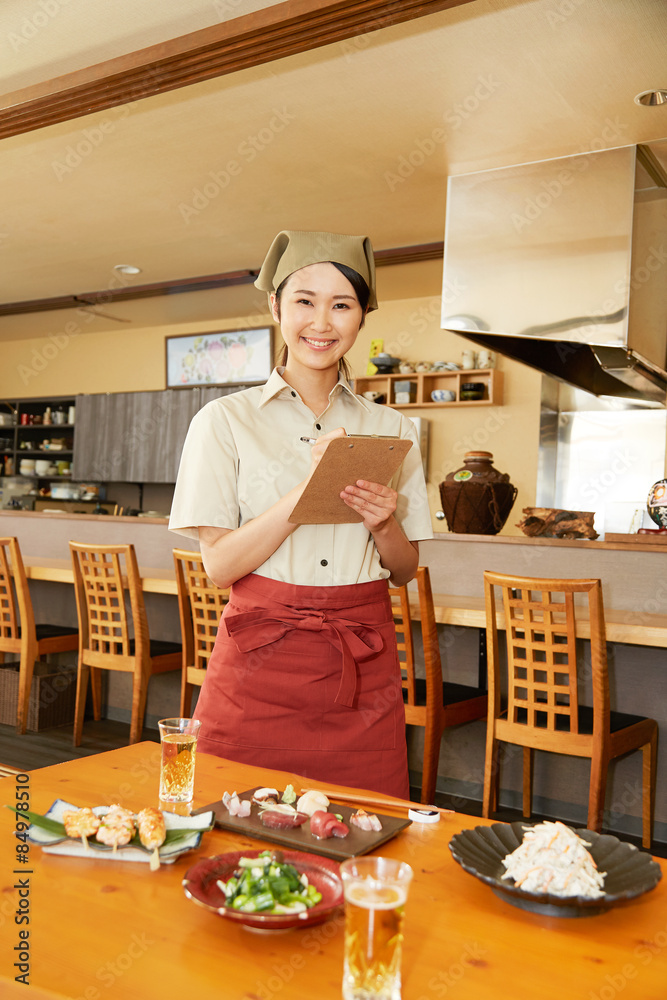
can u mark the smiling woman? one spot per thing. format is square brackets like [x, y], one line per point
[305, 671]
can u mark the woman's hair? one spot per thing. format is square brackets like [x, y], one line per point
[362, 292]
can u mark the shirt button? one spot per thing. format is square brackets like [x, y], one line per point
[293, 393]
[319, 426]
[324, 562]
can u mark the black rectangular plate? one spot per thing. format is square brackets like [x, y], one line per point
[301, 839]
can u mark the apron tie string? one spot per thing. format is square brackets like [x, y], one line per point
[356, 642]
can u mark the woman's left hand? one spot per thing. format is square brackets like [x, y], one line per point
[374, 502]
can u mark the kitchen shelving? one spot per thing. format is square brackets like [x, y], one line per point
[491, 378]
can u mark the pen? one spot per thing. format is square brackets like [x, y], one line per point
[307, 440]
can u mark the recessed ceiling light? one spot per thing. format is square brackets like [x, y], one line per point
[651, 98]
[127, 269]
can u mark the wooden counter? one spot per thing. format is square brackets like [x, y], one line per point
[450, 609]
[103, 929]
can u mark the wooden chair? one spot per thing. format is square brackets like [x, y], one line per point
[111, 638]
[200, 605]
[543, 709]
[18, 632]
[429, 701]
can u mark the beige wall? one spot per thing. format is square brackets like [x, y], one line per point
[83, 359]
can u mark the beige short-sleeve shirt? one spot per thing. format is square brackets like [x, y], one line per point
[243, 453]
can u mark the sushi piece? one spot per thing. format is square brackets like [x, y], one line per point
[368, 822]
[279, 820]
[312, 801]
[236, 806]
[266, 795]
[324, 825]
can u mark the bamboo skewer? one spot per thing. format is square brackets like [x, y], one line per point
[369, 800]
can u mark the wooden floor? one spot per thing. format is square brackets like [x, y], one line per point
[53, 746]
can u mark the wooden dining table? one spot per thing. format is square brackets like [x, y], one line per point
[101, 928]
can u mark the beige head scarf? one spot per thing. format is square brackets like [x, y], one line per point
[293, 250]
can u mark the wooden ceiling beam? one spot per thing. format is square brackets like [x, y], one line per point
[86, 300]
[263, 36]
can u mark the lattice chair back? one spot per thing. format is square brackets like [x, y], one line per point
[201, 604]
[542, 659]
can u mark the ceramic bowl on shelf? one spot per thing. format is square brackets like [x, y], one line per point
[385, 363]
[443, 395]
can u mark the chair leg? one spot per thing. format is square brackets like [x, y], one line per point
[186, 698]
[96, 690]
[80, 706]
[491, 775]
[26, 671]
[528, 766]
[649, 760]
[597, 790]
[432, 740]
[139, 695]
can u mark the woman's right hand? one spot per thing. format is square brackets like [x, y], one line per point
[320, 446]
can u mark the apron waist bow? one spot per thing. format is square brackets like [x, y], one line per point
[356, 642]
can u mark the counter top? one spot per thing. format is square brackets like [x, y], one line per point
[576, 543]
[71, 516]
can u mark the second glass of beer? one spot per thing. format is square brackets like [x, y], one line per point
[375, 892]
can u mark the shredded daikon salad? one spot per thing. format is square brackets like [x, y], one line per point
[552, 858]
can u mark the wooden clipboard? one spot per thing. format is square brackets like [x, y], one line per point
[345, 460]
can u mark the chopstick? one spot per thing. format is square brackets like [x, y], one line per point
[369, 800]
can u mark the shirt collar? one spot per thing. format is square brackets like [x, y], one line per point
[276, 384]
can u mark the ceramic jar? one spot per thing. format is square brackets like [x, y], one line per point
[477, 498]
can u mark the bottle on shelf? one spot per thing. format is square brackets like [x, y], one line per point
[48, 419]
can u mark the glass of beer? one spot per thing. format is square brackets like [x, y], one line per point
[375, 892]
[178, 740]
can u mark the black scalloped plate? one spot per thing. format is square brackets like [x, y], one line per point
[630, 872]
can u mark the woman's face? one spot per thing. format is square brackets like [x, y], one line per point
[319, 316]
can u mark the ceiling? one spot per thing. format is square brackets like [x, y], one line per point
[355, 136]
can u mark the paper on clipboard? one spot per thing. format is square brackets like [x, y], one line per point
[345, 460]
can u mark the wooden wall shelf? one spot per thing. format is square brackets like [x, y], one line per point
[426, 382]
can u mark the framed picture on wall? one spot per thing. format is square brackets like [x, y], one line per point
[224, 358]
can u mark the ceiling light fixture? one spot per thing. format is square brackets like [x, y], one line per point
[127, 269]
[651, 98]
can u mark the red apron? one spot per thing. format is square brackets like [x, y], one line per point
[307, 679]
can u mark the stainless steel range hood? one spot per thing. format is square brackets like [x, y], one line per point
[562, 264]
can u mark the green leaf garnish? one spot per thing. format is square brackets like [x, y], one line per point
[58, 830]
